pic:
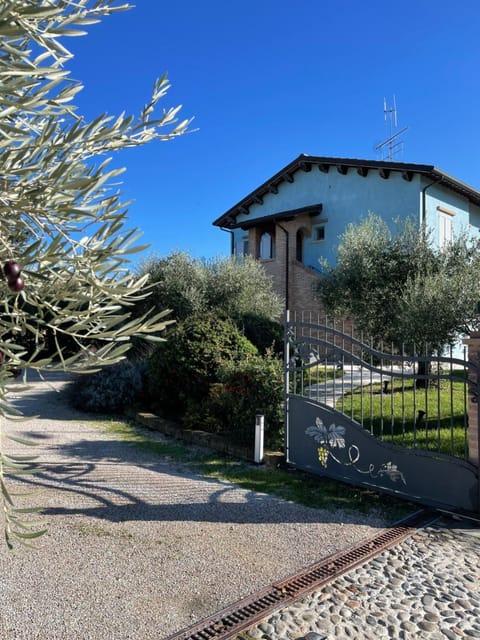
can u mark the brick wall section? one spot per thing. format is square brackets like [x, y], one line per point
[275, 267]
[301, 279]
[473, 401]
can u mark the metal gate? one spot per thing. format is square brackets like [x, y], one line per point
[397, 422]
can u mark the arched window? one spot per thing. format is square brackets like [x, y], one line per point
[266, 246]
[299, 246]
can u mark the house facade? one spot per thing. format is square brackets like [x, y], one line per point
[295, 218]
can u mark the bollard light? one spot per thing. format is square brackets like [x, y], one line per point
[259, 429]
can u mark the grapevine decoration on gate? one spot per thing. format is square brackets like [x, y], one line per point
[332, 438]
[327, 439]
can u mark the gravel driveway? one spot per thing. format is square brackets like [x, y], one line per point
[137, 547]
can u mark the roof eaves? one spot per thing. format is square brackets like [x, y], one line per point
[457, 185]
[269, 186]
[305, 162]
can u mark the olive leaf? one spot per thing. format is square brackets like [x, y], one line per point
[68, 288]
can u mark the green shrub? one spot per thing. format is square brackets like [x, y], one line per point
[238, 287]
[245, 389]
[181, 370]
[191, 286]
[262, 332]
[178, 282]
[110, 390]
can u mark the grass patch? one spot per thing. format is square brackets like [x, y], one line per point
[394, 416]
[302, 488]
[145, 440]
[313, 375]
[292, 485]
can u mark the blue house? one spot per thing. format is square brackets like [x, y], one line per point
[295, 217]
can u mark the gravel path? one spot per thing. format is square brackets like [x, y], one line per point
[139, 548]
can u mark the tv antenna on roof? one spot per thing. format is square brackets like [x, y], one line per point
[392, 145]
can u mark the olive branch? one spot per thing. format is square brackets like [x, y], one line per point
[64, 249]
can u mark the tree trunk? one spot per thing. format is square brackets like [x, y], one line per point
[424, 370]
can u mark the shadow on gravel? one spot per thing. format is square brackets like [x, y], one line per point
[48, 404]
[255, 511]
[114, 481]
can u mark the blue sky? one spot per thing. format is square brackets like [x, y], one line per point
[267, 80]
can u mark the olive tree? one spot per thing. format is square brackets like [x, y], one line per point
[190, 286]
[177, 282]
[441, 305]
[399, 288]
[64, 246]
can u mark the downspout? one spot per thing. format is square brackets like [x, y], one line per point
[232, 246]
[287, 257]
[424, 203]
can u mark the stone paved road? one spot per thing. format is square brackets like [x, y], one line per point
[137, 546]
[427, 587]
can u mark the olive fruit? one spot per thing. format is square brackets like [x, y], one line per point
[11, 269]
[17, 285]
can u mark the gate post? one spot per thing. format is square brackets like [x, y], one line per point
[473, 343]
[286, 374]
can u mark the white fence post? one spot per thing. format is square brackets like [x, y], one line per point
[259, 432]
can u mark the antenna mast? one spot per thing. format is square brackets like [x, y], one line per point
[392, 145]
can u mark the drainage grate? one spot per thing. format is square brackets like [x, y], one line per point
[254, 608]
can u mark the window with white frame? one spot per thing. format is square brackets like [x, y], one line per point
[445, 235]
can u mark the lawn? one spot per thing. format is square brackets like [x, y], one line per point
[308, 376]
[434, 419]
